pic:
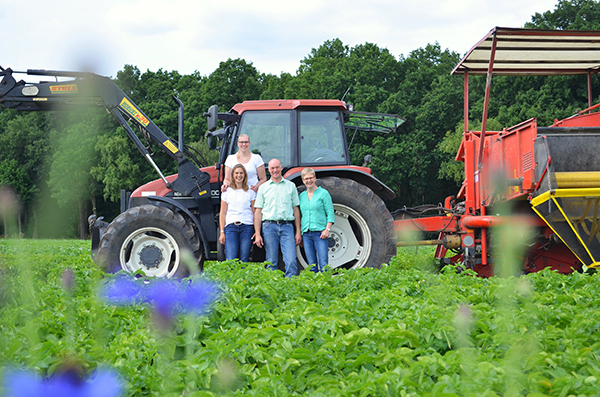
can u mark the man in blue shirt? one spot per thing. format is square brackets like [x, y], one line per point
[276, 212]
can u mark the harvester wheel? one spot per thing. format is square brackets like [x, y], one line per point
[152, 239]
[363, 234]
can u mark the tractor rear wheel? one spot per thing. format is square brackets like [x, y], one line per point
[152, 239]
[363, 234]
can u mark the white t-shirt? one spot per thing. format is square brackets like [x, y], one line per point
[251, 166]
[239, 205]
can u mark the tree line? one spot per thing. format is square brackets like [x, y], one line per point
[64, 166]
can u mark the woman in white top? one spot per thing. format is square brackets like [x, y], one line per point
[236, 218]
[254, 164]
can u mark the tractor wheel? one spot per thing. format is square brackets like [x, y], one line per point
[220, 248]
[363, 234]
[151, 239]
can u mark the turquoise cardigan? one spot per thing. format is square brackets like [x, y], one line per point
[316, 212]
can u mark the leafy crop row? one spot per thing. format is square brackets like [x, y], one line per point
[401, 330]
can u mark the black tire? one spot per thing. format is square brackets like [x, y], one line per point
[220, 247]
[363, 234]
[151, 239]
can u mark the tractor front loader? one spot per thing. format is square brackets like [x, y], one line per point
[151, 237]
[548, 177]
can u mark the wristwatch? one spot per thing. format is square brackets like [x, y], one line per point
[328, 229]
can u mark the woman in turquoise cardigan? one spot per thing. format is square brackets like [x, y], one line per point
[316, 208]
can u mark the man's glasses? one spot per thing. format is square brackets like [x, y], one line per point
[243, 141]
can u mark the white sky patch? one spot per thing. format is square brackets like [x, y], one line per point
[188, 36]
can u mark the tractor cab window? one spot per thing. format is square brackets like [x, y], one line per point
[321, 138]
[270, 134]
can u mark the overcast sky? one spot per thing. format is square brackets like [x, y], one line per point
[184, 35]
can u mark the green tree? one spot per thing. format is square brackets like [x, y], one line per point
[70, 179]
[431, 101]
[24, 150]
[451, 169]
[116, 168]
[274, 87]
[571, 15]
[322, 75]
[234, 81]
[376, 74]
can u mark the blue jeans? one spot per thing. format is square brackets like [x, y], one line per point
[315, 246]
[280, 235]
[238, 239]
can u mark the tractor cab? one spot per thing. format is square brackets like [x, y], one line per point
[299, 133]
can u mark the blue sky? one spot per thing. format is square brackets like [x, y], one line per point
[188, 36]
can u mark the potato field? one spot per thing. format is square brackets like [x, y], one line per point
[407, 329]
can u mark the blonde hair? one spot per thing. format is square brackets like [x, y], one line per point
[244, 181]
[306, 171]
[240, 136]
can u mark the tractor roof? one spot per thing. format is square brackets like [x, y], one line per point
[288, 104]
[534, 52]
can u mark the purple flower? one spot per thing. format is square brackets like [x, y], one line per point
[102, 383]
[68, 279]
[167, 297]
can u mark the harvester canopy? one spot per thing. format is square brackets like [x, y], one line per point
[522, 52]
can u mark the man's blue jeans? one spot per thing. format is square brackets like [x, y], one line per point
[280, 235]
[315, 246]
[238, 239]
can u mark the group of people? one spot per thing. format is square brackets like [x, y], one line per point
[253, 207]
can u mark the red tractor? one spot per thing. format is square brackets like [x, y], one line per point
[173, 214]
[548, 176]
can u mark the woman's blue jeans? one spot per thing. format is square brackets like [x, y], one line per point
[316, 250]
[238, 241]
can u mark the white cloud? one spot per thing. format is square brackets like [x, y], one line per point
[275, 36]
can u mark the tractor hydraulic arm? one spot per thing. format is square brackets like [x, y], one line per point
[89, 89]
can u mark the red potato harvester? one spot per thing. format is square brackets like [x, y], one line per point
[549, 177]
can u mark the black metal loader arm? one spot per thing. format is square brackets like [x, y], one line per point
[89, 89]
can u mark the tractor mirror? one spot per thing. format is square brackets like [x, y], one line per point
[212, 117]
[214, 137]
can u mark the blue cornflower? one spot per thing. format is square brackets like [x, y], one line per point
[102, 383]
[122, 291]
[167, 297]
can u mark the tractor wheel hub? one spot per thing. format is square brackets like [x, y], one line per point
[150, 256]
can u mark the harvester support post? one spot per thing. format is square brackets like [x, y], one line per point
[486, 102]
[466, 105]
[589, 83]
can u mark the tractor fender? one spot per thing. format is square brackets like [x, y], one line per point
[360, 175]
[192, 217]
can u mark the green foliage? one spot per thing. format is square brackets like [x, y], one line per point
[402, 330]
[572, 15]
[449, 168]
[23, 152]
[117, 168]
[234, 81]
